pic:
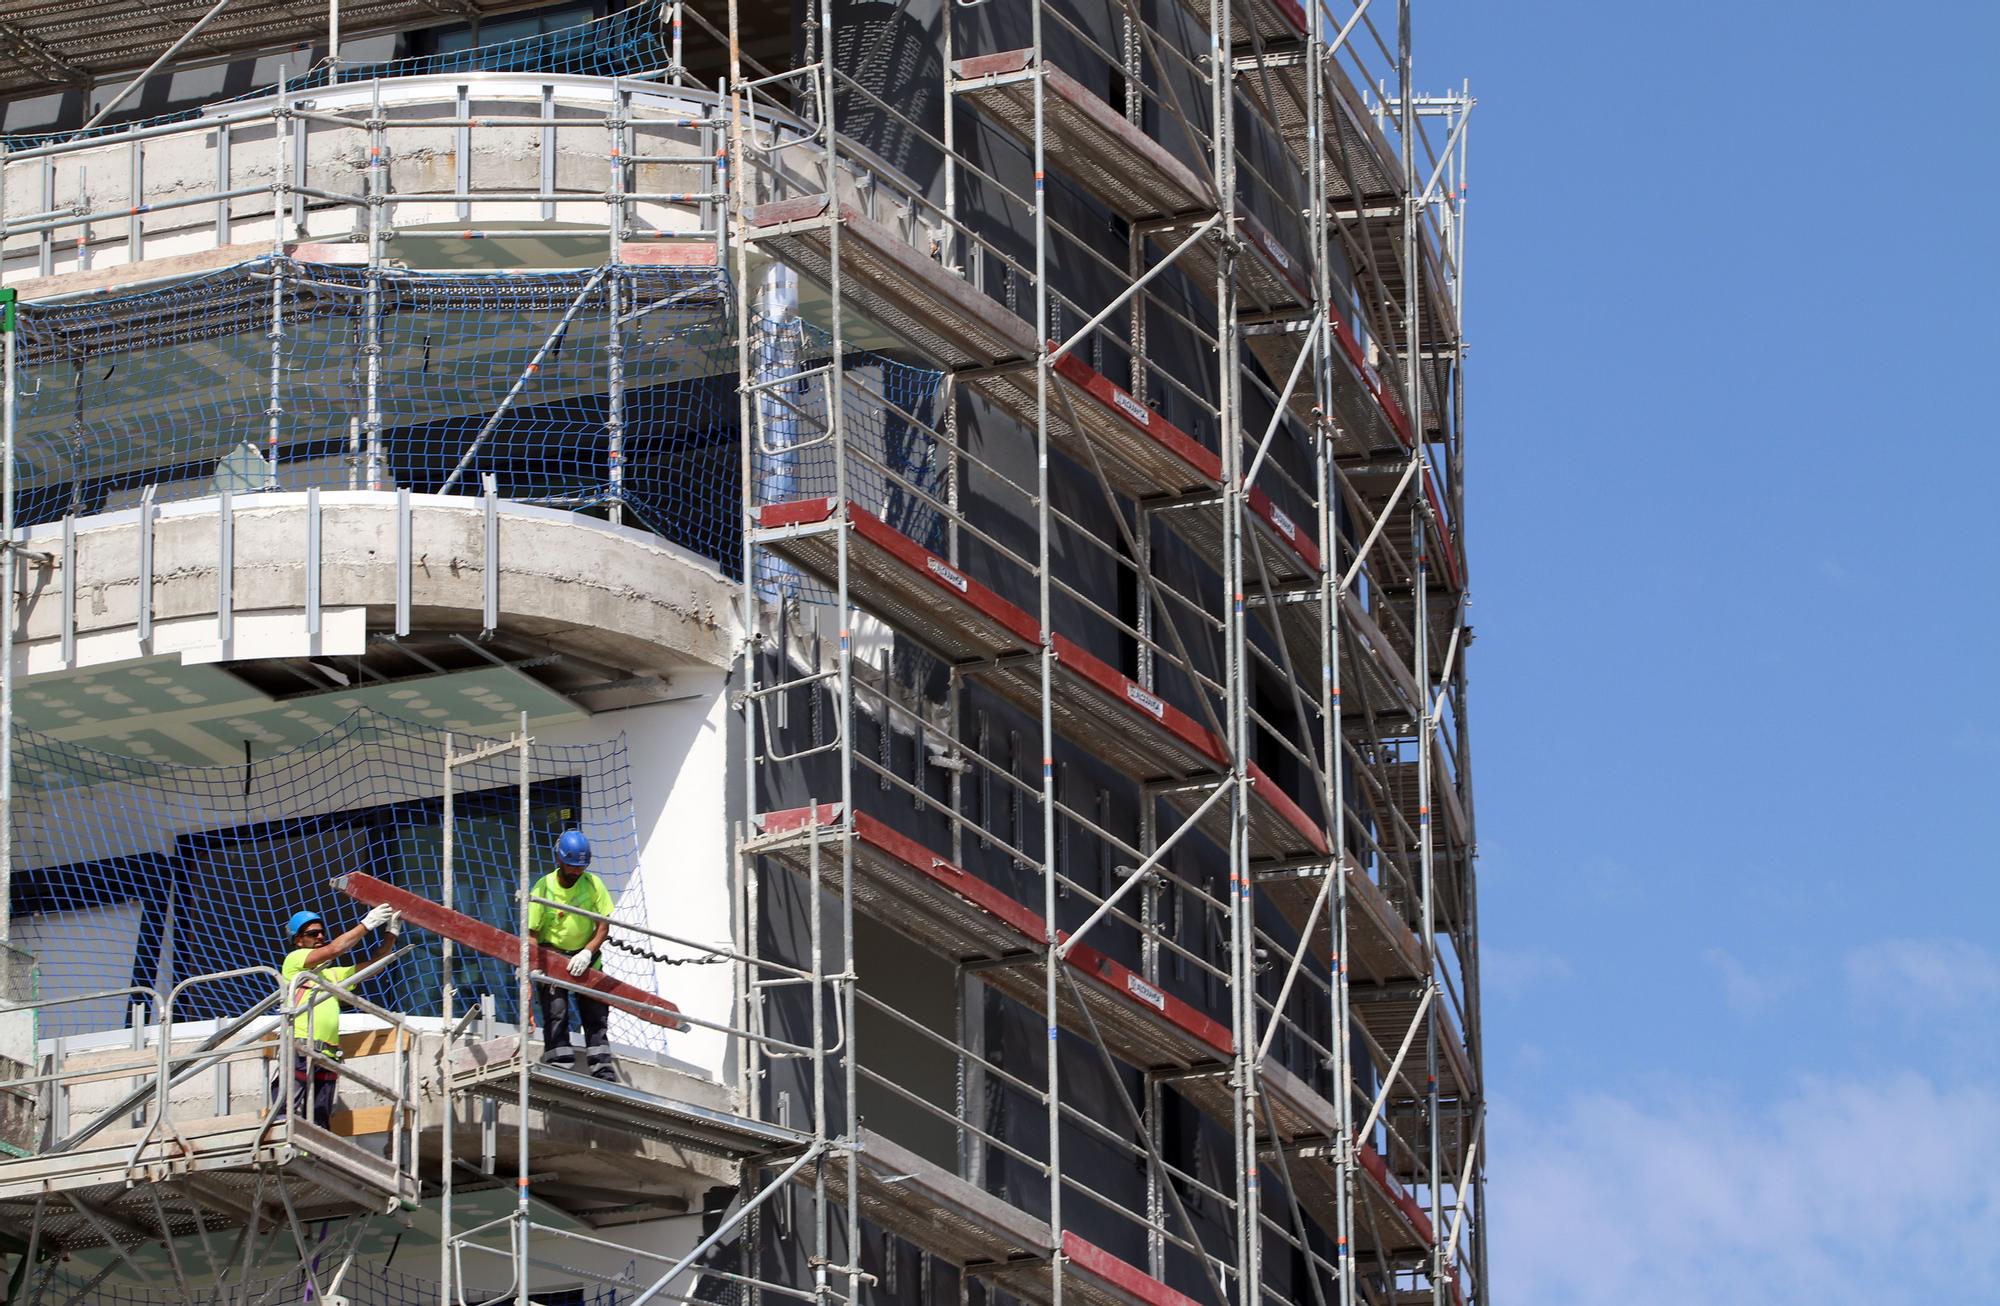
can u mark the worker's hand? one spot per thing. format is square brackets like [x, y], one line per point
[394, 925]
[580, 962]
[377, 917]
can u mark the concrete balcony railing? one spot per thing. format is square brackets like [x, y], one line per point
[480, 154]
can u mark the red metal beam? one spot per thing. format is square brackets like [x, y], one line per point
[502, 946]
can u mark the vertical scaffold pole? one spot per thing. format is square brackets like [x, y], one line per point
[614, 281]
[274, 412]
[8, 406]
[1242, 935]
[736, 197]
[1045, 619]
[1331, 595]
[1413, 386]
[523, 996]
[378, 165]
[447, 1001]
[846, 722]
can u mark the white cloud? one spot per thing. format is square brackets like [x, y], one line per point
[1924, 979]
[1834, 1192]
[1748, 992]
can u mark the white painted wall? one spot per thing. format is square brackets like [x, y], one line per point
[677, 754]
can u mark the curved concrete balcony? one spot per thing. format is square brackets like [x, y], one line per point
[297, 575]
[521, 162]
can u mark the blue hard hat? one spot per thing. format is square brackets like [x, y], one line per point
[299, 920]
[573, 848]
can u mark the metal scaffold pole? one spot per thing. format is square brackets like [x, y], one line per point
[523, 1000]
[1413, 380]
[10, 571]
[1045, 621]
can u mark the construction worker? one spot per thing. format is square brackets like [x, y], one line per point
[318, 1023]
[581, 939]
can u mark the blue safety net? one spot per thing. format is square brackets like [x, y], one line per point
[630, 43]
[258, 377]
[134, 877]
[278, 375]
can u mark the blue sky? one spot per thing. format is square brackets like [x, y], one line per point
[1737, 734]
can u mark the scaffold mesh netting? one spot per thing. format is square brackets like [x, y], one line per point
[258, 377]
[633, 42]
[278, 375]
[136, 879]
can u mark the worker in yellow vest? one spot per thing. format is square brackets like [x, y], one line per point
[317, 1025]
[581, 939]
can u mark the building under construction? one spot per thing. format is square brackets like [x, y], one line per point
[959, 501]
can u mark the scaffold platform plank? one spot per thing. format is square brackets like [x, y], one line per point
[1360, 164]
[1135, 176]
[1143, 454]
[1380, 947]
[1267, 20]
[502, 946]
[1385, 968]
[1389, 1222]
[989, 1238]
[1269, 278]
[228, 1165]
[1375, 484]
[1095, 706]
[930, 1207]
[1091, 1275]
[886, 278]
[492, 1069]
[942, 907]
[1401, 780]
[1377, 691]
[1282, 549]
[1385, 279]
[948, 910]
[1370, 420]
[900, 581]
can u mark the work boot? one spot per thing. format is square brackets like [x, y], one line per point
[563, 1058]
[602, 1064]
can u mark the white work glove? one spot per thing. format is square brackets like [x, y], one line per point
[580, 962]
[394, 925]
[377, 917]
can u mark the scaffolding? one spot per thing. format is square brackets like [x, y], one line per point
[1281, 675]
[1102, 591]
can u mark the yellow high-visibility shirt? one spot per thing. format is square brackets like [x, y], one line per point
[561, 929]
[321, 1023]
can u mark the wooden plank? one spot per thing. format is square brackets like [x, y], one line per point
[502, 946]
[362, 1121]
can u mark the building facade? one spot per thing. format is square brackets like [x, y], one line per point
[960, 503]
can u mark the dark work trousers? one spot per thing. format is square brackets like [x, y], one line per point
[314, 1084]
[595, 1016]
